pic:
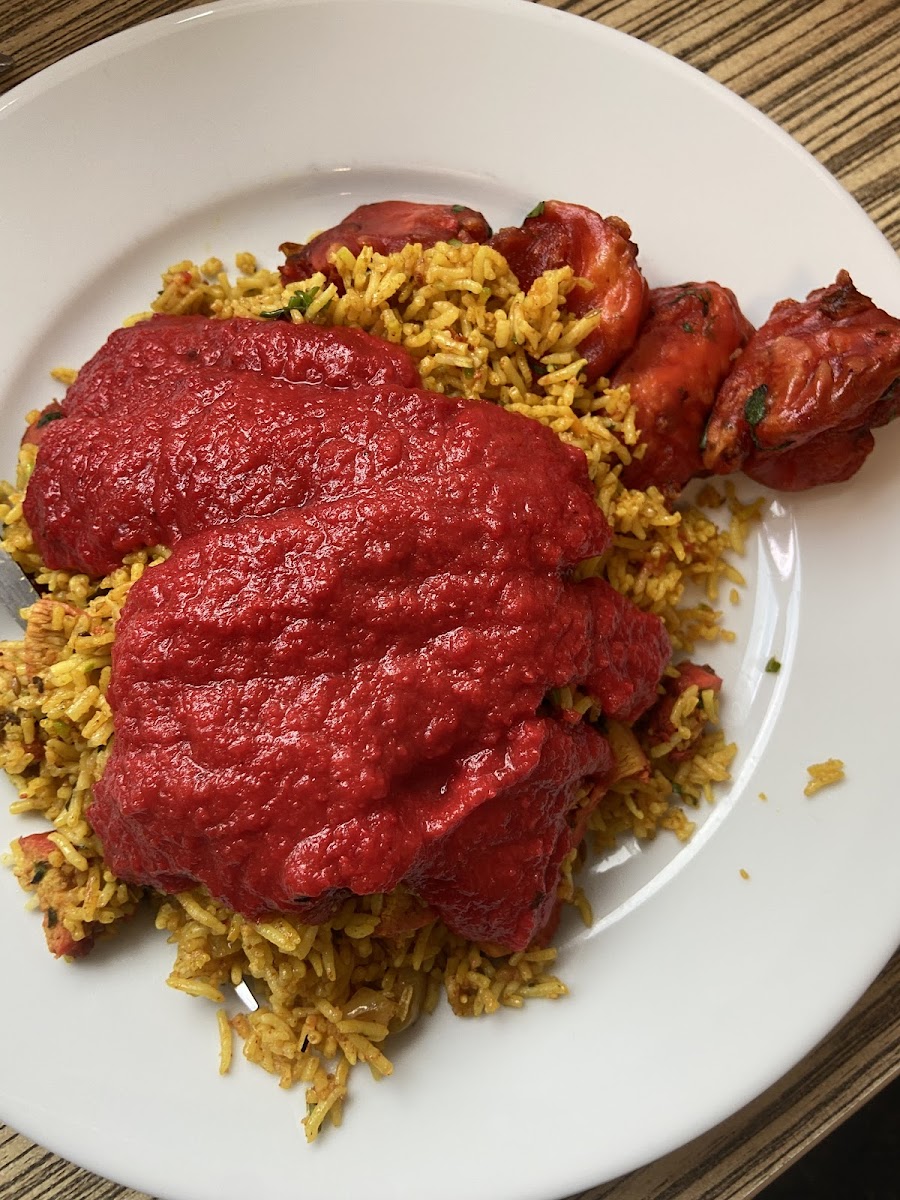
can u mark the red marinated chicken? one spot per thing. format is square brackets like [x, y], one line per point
[683, 352]
[381, 708]
[34, 434]
[183, 423]
[797, 408]
[658, 724]
[53, 893]
[387, 227]
[474, 871]
[151, 359]
[601, 254]
[336, 681]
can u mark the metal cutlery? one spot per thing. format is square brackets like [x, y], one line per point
[16, 589]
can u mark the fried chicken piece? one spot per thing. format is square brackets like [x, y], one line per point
[34, 434]
[600, 252]
[797, 407]
[684, 350]
[659, 725]
[387, 226]
[831, 457]
[50, 887]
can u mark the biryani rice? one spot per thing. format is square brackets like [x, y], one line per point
[823, 775]
[331, 995]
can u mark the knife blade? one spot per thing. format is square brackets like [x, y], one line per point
[16, 590]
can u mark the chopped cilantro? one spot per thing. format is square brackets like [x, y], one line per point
[536, 211]
[755, 407]
[52, 918]
[40, 870]
[701, 294]
[300, 301]
[458, 208]
[45, 418]
[687, 327]
[773, 666]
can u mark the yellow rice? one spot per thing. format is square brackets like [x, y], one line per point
[823, 775]
[332, 995]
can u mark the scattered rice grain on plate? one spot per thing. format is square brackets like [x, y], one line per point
[823, 775]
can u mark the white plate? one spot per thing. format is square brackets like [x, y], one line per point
[239, 126]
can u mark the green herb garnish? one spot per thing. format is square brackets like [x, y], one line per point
[755, 407]
[458, 208]
[454, 242]
[536, 211]
[40, 870]
[701, 294]
[52, 918]
[47, 417]
[300, 301]
[773, 666]
[687, 327]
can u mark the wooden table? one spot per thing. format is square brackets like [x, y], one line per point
[829, 72]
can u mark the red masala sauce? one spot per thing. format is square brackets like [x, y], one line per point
[337, 682]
